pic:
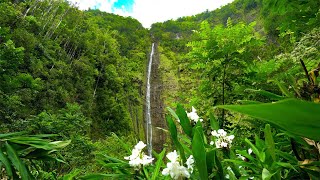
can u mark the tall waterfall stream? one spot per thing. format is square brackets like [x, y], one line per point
[148, 105]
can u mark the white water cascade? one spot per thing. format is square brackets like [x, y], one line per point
[148, 106]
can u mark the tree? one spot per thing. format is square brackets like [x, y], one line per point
[221, 55]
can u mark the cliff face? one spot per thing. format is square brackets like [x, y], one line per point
[157, 107]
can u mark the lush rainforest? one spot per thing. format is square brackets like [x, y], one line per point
[240, 91]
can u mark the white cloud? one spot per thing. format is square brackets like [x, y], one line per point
[151, 11]
[104, 5]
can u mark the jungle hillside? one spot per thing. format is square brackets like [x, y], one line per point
[234, 93]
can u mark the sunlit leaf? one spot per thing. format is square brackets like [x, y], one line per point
[184, 120]
[295, 116]
[199, 154]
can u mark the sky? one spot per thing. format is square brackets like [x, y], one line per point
[151, 11]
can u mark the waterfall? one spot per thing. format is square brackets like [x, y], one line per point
[148, 106]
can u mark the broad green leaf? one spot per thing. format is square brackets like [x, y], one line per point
[269, 142]
[159, 162]
[17, 163]
[6, 163]
[295, 116]
[184, 120]
[213, 122]
[267, 94]
[219, 166]
[210, 160]
[199, 154]
[174, 135]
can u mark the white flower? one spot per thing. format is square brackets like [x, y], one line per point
[174, 169]
[194, 116]
[249, 150]
[231, 137]
[189, 163]
[222, 140]
[173, 156]
[222, 132]
[224, 144]
[140, 145]
[146, 160]
[214, 133]
[137, 157]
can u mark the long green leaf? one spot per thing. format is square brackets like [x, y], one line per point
[295, 116]
[60, 144]
[174, 135]
[282, 87]
[184, 120]
[210, 160]
[199, 154]
[267, 94]
[173, 113]
[6, 163]
[2, 136]
[109, 158]
[213, 122]
[33, 141]
[17, 163]
[269, 142]
[158, 165]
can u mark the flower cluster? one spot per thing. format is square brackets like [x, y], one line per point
[138, 158]
[222, 140]
[175, 169]
[194, 116]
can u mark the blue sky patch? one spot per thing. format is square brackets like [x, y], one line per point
[97, 6]
[127, 4]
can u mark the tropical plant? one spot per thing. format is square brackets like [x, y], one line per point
[21, 155]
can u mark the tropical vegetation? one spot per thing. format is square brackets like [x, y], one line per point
[240, 85]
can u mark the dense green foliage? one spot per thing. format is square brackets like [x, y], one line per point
[75, 74]
[80, 75]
